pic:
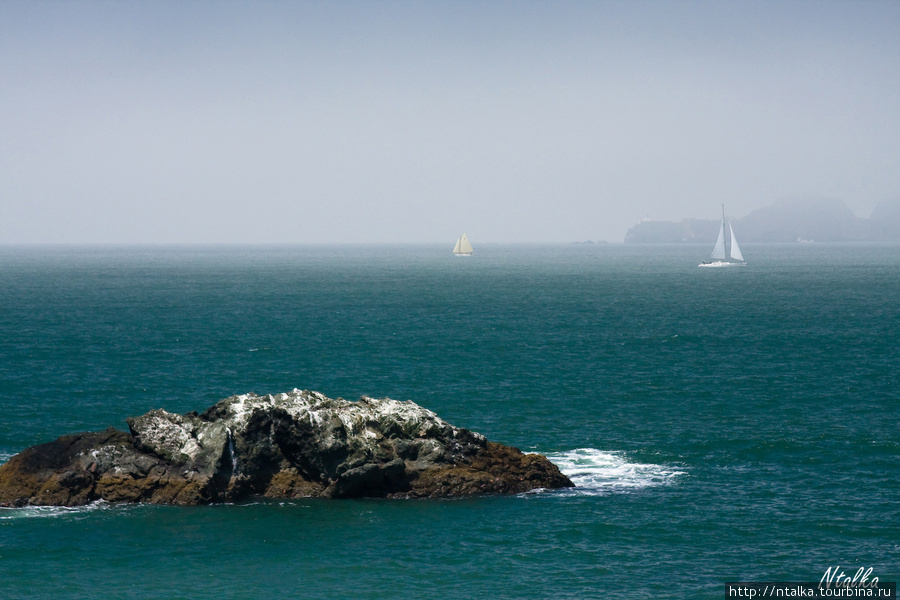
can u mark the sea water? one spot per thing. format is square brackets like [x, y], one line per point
[720, 424]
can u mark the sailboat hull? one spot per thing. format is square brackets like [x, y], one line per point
[721, 263]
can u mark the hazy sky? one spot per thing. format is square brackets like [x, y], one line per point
[256, 122]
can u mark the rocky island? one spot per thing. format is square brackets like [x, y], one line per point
[295, 444]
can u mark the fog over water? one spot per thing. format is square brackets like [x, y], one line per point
[389, 122]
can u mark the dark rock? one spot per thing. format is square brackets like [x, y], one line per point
[297, 444]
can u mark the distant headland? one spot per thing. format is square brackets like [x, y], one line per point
[792, 221]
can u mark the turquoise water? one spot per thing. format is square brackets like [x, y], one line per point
[722, 425]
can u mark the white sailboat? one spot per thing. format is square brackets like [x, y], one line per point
[719, 258]
[463, 247]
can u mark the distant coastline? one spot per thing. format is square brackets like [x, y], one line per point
[795, 221]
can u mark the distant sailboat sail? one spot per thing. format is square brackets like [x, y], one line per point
[735, 249]
[719, 257]
[719, 250]
[463, 247]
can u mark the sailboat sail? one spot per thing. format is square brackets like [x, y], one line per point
[463, 247]
[719, 251]
[735, 249]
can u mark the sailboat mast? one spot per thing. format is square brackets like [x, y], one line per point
[723, 225]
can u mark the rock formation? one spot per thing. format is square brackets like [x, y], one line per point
[296, 444]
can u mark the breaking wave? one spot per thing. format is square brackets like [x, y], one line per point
[36, 512]
[595, 472]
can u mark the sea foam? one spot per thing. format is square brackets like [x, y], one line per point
[36, 512]
[597, 472]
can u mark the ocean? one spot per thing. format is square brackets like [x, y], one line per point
[720, 424]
